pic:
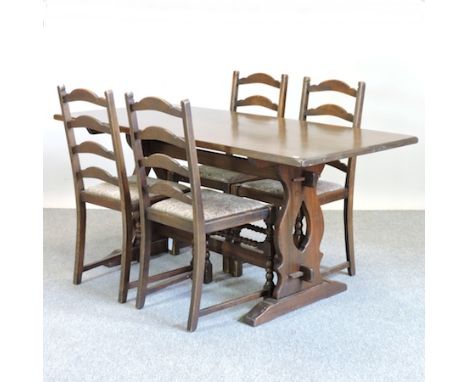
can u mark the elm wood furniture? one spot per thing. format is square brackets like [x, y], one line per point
[271, 191]
[295, 153]
[226, 180]
[223, 179]
[195, 214]
[115, 192]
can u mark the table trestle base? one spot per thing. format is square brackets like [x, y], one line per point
[271, 308]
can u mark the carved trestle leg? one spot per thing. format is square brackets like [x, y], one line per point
[297, 260]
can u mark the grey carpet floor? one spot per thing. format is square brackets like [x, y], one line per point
[372, 332]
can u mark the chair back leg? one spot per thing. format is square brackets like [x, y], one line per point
[199, 252]
[80, 242]
[127, 254]
[349, 235]
[145, 253]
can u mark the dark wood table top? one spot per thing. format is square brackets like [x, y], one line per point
[283, 141]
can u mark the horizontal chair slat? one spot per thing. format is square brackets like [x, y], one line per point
[162, 276]
[260, 78]
[160, 134]
[89, 147]
[334, 85]
[169, 282]
[169, 189]
[110, 260]
[333, 110]
[231, 303]
[258, 100]
[157, 104]
[166, 162]
[89, 122]
[99, 173]
[85, 96]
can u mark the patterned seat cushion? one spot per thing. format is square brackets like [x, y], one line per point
[223, 175]
[111, 193]
[275, 188]
[216, 205]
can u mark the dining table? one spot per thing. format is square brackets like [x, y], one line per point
[293, 152]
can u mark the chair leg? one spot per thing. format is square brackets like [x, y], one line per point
[208, 274]
[136, 240]
[235, 268]
[231, 266]
[226, 264]
[80, 242]
[199, 252]
[126, 260]
[175, 248]
[145, 254]
[349, 236]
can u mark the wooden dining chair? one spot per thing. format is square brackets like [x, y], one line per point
[271, 191]
[223, 179]
[259, 100]
[118, 192]
[188, 216]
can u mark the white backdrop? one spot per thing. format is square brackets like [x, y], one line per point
[176, 49]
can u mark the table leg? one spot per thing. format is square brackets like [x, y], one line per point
[297, 263]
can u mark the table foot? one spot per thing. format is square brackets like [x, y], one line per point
[270, 308]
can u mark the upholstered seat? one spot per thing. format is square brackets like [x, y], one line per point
[226, 176]
[110, 194]
[216, 205]
[274, 187]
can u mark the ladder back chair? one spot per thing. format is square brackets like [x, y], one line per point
[223, 179]
[271, 191]
[259, 100]
[115, 192]
[188, 216]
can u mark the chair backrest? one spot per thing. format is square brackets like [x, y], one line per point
[259, 100]
[332, 109]
[94, 126]
[145, 162]
[336, 111]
